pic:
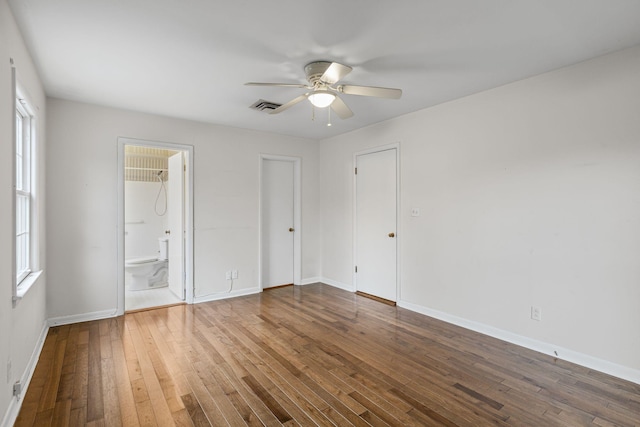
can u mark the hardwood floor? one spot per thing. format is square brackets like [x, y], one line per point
[311, 355]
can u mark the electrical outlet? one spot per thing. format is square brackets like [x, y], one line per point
[536, 313]
[17, 388]
[234, 274]
[228, 275]
[415, 211]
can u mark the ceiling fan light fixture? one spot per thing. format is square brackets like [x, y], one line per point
[321, 98]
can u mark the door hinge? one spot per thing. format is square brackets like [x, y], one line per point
[356, 268]
[356, 171]
[184, 168]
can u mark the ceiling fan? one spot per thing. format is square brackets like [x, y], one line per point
[322, 77]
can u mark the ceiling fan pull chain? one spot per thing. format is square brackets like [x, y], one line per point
[329, 114]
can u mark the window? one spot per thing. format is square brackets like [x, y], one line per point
[24, 190]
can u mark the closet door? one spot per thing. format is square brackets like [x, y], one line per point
[277, 222]
[376, 211]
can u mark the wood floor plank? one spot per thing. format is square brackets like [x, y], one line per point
[162, 337]
[146, 415]
[81, 377]
[219, 359]
[209, 407]
[298, 374]
[28, 412]
[377, 403]
[111, 402]
[312, 355]
[128, 413]
[61, 413]
[197, 415]
[316, 376]
[78, 416]
[43, 418]
[293, 388]
[274, 406]
[95, 402]
[50, 392]
[236, 397]
[152, 384]
[71, 350]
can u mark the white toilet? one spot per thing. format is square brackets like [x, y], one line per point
[148, 272]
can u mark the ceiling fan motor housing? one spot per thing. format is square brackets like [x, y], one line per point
[315, 70]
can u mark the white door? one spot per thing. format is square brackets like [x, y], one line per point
[175, 219]
[277, 222]
[376, 223]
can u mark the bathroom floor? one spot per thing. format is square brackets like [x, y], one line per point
[136, 300]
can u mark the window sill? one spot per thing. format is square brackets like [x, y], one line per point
[25, 285]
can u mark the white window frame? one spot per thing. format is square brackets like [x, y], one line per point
[23, 194]
[25, 189]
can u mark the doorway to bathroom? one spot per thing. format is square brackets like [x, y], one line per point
[154, 224]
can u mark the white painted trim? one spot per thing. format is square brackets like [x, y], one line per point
[578, 358]
[28, 108]
[12, 203]
[336, 284]
[395, 146]
[26, 285]
[188, 220]
[84, 317]
[297, 215]
[13, 410]
[225, 295]
[311, 280]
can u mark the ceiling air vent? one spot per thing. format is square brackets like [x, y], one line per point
[262, 105]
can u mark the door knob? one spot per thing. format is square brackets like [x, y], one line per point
[167, 231]
[392, 234]
[291, 230]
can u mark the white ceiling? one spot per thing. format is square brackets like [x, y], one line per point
[190, 58]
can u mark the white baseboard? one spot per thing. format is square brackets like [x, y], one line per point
[336, 284]
[85, 317]
[13, 410]
[581, 359]
[310, 280]
[223, 295]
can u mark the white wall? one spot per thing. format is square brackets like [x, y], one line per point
[82, 185]
[143, 226]
[20, 327]
[529, 195]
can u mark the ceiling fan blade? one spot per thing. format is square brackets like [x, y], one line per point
[291, 103]
[278, 84]
[341, 109]
[334, 73]
[379, 92]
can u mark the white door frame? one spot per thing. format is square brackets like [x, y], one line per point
[297, 222]
[188, 214]
[394, 146]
